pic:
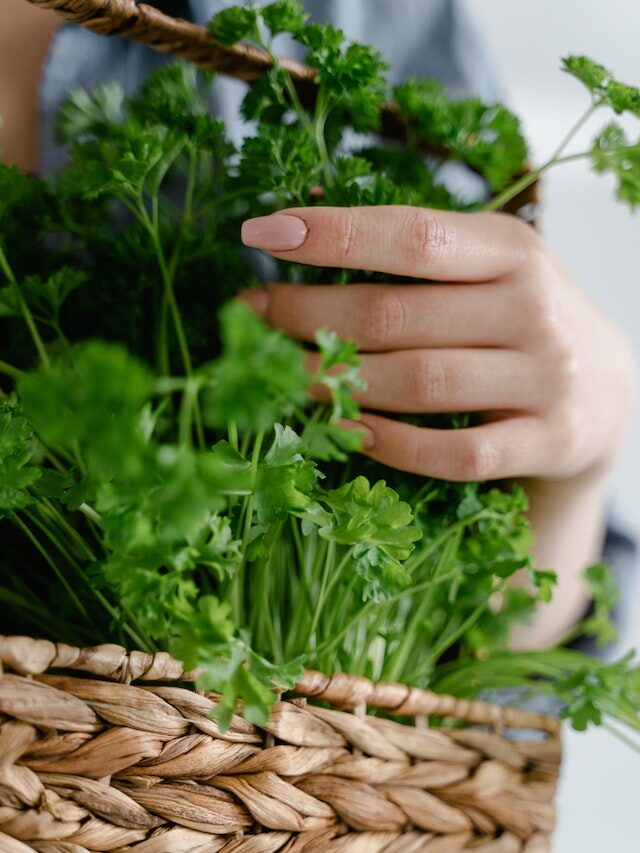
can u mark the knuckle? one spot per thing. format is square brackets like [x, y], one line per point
[531, 248]
[427, 238]
[429, 381]
[566, 368]
[383, 318]
[568, 432]
[347, 234]
[540, 310]
[475, 460]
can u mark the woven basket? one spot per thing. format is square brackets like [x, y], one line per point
[102, 761]
[124, 755]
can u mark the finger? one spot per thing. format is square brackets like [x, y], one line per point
[513, 447]
[390, 317]
[396, 239]
[425, 381]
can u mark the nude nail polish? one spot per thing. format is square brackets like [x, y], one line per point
[276, 233]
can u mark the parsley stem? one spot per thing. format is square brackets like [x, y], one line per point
[10, 370]
[167, 271]
[530, 178]
[237, 584]
[57, 571]
[26, 312]
[397, 662]
[621, 736]
[327, 567]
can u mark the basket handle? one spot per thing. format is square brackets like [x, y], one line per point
[148, 25]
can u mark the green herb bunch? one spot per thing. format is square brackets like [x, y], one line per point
[167, 481]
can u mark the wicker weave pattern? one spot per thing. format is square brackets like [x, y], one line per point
[87, 763]
[147, 24]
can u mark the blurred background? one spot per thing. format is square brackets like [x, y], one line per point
[599, 242]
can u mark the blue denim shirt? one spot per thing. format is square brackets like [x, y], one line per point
[417, 38]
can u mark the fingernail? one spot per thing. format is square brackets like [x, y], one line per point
[277, 233]
[368, 438]
[256, 299]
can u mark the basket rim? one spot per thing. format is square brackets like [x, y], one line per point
[26, 656]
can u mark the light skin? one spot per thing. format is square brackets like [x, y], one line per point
[25, 34]
[505, 331]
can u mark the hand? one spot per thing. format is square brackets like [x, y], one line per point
[509, 335]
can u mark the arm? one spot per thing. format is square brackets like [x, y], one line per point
[25, 33]
[505, 332]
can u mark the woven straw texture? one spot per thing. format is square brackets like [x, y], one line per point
[91, 760]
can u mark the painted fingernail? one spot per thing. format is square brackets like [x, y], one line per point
[368, 438]
[277, 233]
[256, 299]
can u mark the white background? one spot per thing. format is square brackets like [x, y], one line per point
[599, 241]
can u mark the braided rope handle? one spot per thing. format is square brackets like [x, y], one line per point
[148, 25]
[26, 656]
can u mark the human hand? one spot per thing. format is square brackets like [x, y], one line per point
[505, 332]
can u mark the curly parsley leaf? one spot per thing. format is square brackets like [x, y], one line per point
[603, 591]
[259, 376]
[603, 86]
[486, 137]
[284, 16]
[16, 451]
[338, 371]
[96, 403]
[379, 527]
[285, 480]
[97, 114]
[234, 24]
[612, 152]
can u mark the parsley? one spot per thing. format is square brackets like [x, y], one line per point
[166, 479]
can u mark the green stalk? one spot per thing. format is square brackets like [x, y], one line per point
[10, 370]
[327, 566]
[57, 571]
[396, 664]
[167, 272]
[26, 312]
[530, 178]
[452, 637]
[134, 630]
[627, 741]
[246, 518]
[321, 116]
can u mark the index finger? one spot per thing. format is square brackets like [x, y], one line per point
[396, 239]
